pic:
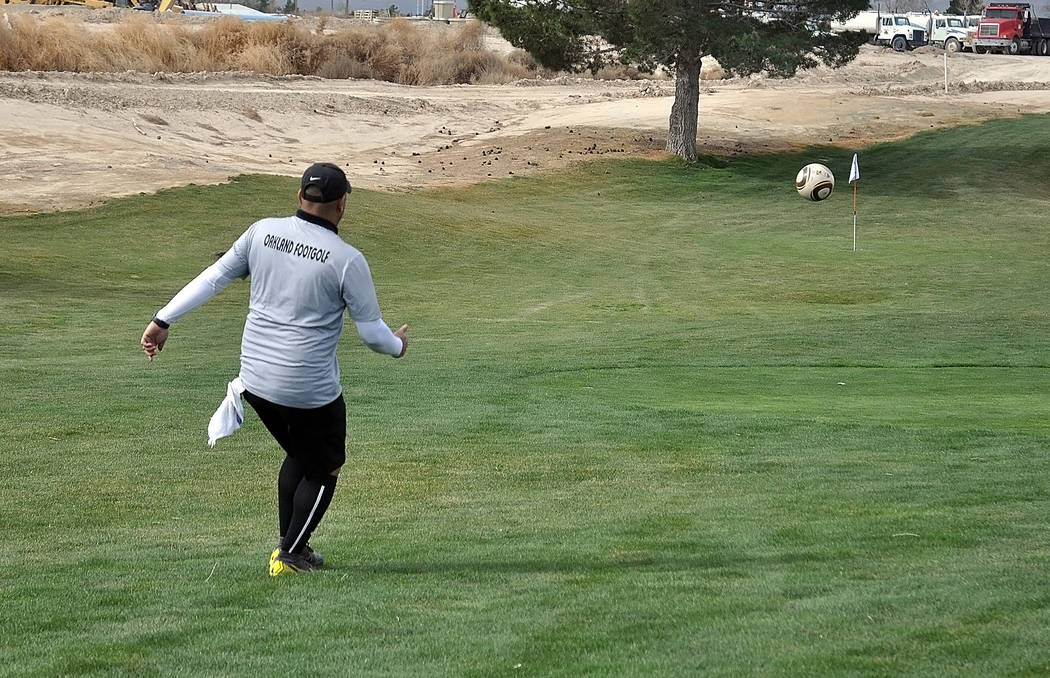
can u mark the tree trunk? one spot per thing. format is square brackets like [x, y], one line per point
[681, 132]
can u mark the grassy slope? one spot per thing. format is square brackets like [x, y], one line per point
[654, 420]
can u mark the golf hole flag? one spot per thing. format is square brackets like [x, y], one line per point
[854, 177]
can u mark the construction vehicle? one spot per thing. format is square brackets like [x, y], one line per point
[864, 22]
[179, 5]
[950, 32]
[903, 31]
[953, 32]
[1012, 28]
[917, 29]
[146, 5]
[96, 4]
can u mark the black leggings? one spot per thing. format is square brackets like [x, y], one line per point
[315, 437]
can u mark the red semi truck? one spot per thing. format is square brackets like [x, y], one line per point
[1012, 28]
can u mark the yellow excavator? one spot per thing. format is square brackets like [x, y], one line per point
[147, 5]
[85, 3]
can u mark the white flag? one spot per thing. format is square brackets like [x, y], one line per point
[854, 171]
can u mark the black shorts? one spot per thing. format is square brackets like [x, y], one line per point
[316, 437]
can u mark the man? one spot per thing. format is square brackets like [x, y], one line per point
[303, 277]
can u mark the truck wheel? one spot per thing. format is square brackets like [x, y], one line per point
[980, 50]
[1043, 48]
[952, 45]
[1015, 47]
[899, 44]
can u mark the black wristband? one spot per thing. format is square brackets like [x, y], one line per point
[160, 323]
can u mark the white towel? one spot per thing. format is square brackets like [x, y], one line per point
[230, 415]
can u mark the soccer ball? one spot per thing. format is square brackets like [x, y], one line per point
[815, 182]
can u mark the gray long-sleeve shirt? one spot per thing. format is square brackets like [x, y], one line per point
[303, 277]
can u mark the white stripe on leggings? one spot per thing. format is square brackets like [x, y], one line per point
[309, 518]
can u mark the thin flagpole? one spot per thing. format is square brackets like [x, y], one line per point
[855, 214]
[854, 178]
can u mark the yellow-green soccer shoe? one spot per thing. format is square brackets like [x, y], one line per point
[291, 563]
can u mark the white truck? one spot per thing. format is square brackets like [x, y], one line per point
[953, 33]
[908, 31]
[903, 31]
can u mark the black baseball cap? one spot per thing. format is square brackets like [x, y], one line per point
[324, 182]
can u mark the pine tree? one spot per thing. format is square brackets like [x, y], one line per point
[745, 37]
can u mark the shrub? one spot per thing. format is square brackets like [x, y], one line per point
[395, 52]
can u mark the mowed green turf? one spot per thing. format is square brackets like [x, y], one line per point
[654, 420]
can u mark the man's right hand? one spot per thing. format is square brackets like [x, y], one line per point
[402, 334]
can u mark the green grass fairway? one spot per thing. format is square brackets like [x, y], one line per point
[654, 420]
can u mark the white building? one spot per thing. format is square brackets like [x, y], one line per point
[444, 9]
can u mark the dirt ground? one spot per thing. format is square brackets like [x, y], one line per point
[72, 140]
